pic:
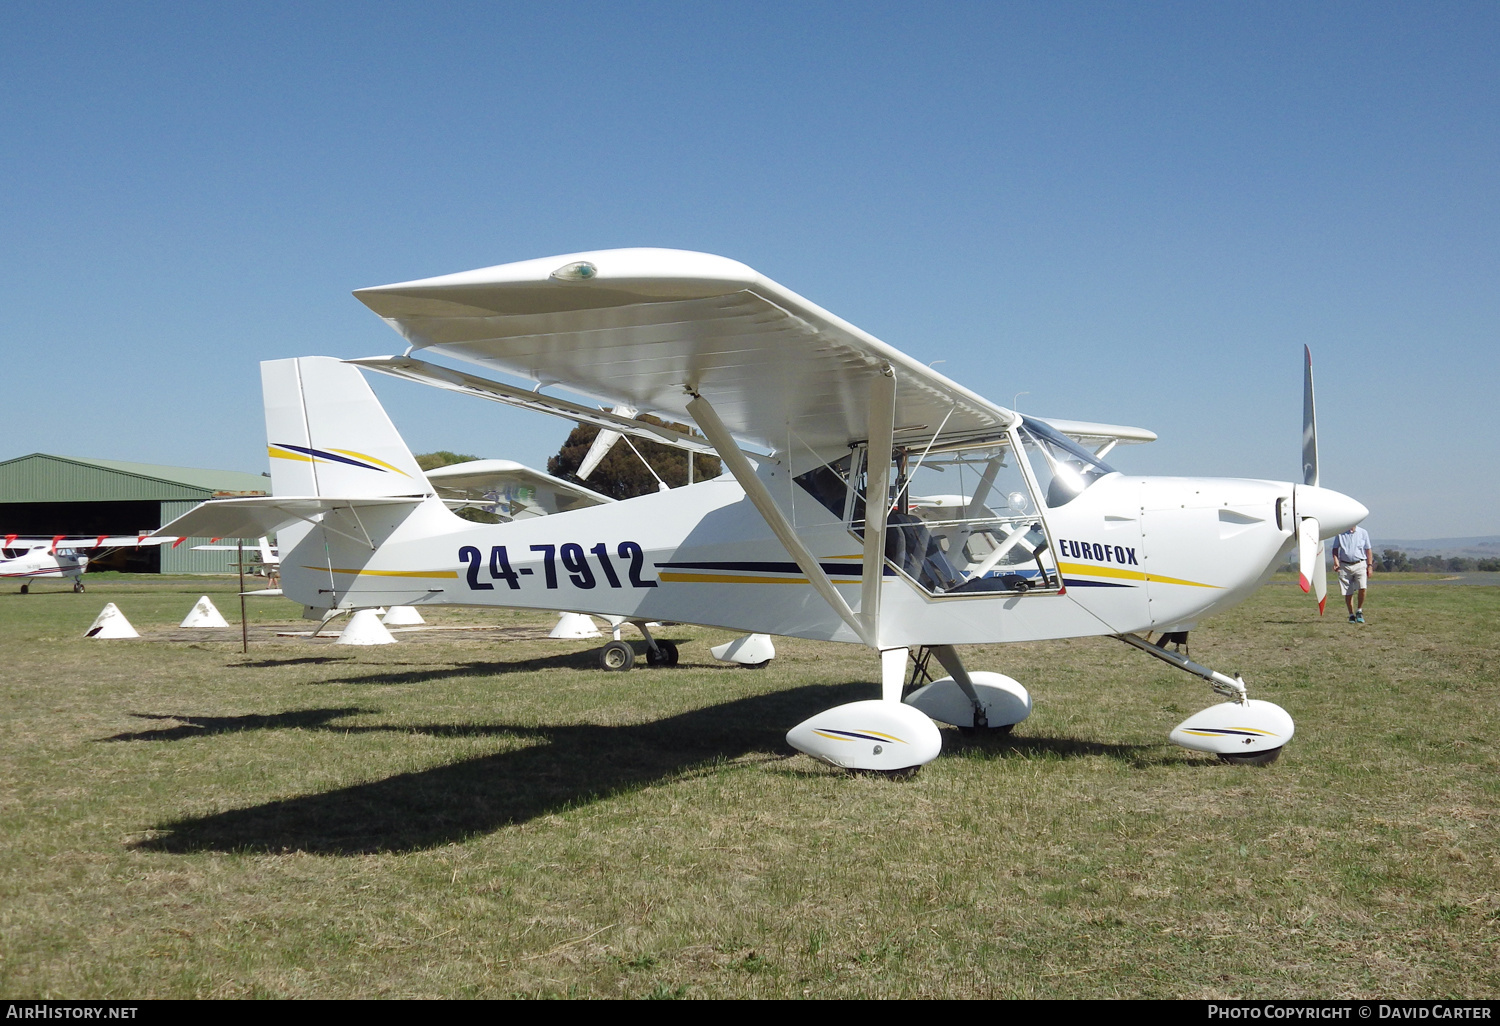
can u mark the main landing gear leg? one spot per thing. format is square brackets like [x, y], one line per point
[969, 701]
[1241, 730]
[948, 656]
[892, 673]
[880, 735]
[658, 653]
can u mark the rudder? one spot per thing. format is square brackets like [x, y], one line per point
[327, 434]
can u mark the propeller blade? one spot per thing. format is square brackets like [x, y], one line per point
[1320, 581]
[1309, 553]
[1309, 425]
[603, 442]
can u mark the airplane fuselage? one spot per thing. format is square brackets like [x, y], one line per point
[1132, 553]
[39, 563]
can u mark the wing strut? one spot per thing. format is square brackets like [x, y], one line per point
[497, 391]
[707, 419]
[881, 427]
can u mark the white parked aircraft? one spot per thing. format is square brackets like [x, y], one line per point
[267, 558]
[1038, 537]
[61, 557]
[511, 490]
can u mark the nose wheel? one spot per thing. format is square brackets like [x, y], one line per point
[1242, 731]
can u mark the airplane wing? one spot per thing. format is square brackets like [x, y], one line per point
[259, 515]
[1100, 437]
[646, 328]
[513, 484]
[66, 543]
[439, 376]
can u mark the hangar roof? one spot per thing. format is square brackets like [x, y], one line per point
[41, 477]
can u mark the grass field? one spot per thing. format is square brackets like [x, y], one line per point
[454, 816]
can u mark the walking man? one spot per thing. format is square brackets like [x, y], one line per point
[1355, 562]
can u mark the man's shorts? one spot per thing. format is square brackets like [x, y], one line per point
[1352, 578]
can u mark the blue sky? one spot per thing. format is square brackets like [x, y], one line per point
[1135, 213]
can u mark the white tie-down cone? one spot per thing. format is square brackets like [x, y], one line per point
[365, 628]
[751, 650]
[403, 616]
[111, 623]
[574, 625]
[204, 614]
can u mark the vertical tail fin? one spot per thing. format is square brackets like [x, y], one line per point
[327, 434]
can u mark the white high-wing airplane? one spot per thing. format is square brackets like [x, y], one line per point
[60, 557]
[1038, 537]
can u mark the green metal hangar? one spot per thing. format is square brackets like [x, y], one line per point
[44, 496]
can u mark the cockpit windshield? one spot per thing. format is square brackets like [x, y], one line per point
[1063, 468]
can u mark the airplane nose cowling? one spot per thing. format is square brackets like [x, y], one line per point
[1334, 511]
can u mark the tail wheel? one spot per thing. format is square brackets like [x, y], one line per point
[616, 656]
[25, 589]
[664, 654]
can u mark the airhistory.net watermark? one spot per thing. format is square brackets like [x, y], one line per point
[45, 1010]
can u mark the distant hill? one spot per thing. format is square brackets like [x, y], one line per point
[1487, 546]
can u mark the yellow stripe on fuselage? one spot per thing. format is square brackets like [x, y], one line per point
[1086, 570]
[387, 573]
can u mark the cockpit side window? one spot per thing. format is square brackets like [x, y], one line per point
[829, 484]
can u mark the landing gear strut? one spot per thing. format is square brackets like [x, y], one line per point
[972, 702]
[618, 655]
[1242, 730]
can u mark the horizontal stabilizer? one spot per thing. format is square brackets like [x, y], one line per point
[263, 514]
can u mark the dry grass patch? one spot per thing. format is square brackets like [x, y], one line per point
[460, 816]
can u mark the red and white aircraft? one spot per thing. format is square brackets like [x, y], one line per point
[61, 557]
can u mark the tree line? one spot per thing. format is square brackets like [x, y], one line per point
[1396, 561]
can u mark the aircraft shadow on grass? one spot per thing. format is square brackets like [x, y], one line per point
[573, 764]
[477, 668]
[206, 726]
[293, 661]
